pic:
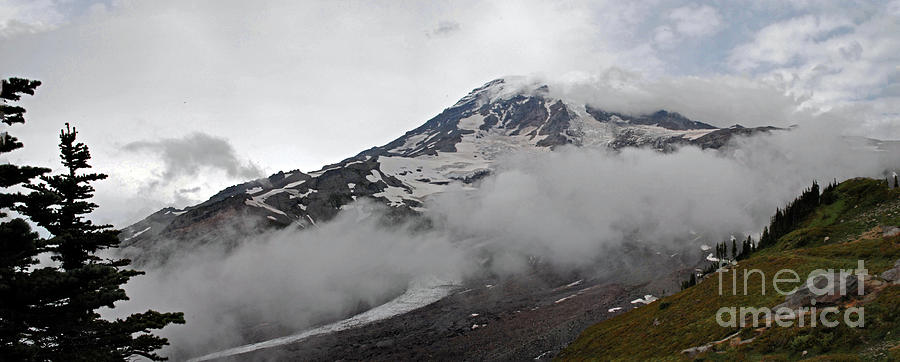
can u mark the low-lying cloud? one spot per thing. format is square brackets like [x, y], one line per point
[295, 279]
[189, 155]
[718, 100]
[572, 209]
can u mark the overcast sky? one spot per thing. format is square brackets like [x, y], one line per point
[178, 99]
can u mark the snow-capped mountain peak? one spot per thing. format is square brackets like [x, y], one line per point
[459, 145]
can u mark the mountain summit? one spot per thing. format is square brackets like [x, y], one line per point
[459, 145]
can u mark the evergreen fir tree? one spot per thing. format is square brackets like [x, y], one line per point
[87, 282]
[49, 313]
[896, 181]
[786, 220]
[20, 291]
[746, 248]
[692, 281]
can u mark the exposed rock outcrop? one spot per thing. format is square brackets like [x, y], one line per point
[459, 145]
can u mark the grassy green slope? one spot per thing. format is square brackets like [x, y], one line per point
[661, 330]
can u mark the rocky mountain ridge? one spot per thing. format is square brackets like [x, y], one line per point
[459, 145]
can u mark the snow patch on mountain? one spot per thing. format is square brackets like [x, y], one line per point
[421, 293]
[257, 203]
[647, 299]
[137, 234]
[458, 147]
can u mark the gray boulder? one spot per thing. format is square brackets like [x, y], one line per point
[804, 296]
[889, 231]
[892, 275]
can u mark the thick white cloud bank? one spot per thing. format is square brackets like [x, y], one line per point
[570, 208]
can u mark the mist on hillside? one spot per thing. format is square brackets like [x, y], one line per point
[568, 208]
